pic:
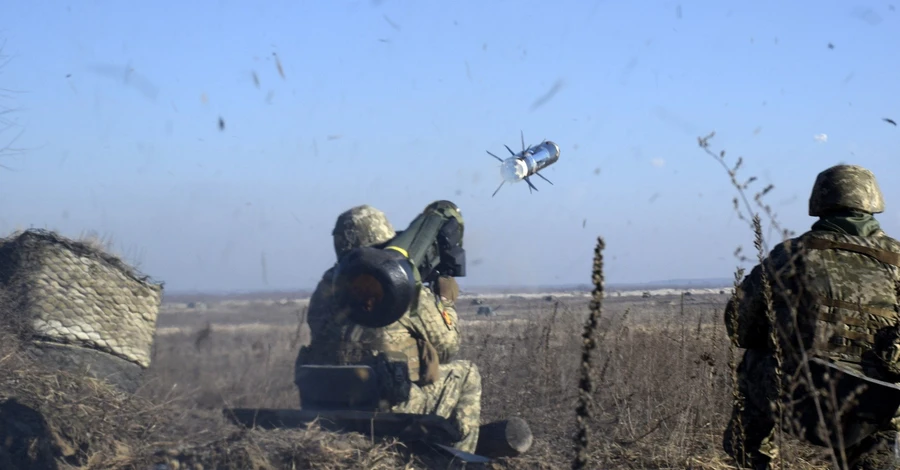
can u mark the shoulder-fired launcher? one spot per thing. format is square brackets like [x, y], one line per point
[375, 286]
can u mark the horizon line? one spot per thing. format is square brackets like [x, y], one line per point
[673, 283]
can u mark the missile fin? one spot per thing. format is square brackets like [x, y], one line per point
[542, 177]
[498, 188]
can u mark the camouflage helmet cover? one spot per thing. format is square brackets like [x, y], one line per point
[845, 187]
[361, 226]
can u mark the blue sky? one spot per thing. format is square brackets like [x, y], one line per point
[394, 103]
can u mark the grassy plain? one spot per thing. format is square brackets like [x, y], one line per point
[662, 392]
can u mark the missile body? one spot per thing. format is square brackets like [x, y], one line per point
[520, 166]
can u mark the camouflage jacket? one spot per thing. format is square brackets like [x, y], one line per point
[336, 340]
[832, 289]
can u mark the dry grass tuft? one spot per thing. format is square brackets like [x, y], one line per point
[63, 420]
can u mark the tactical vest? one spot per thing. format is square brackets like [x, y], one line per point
[358, 344]
[338, 341]
[849, 291]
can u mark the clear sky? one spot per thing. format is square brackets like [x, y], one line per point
[393, 103]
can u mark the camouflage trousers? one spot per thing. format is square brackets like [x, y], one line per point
[750, 437]
[456, 396]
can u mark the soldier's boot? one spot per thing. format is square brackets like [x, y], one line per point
[874, 453]
[751, 443]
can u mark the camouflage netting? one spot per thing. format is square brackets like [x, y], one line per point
[63, 293]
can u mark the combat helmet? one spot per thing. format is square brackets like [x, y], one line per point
[844, 187]
[360, 226]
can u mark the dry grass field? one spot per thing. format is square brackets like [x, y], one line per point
[659, 397]
[662, 382]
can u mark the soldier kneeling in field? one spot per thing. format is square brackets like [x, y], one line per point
[425, 340]
[834, 298]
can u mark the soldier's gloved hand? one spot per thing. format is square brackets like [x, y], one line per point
[447, 288]
[887, 352]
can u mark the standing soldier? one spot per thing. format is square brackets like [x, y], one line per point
[427, 340]
[834, 287]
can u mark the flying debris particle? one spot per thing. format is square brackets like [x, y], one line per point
[821, 138]
[459, 192]
[675, 121]
[468, 71]
[575, 146]
[830, 45]
[757, 131]
[334, 137]
[270, 96]
[549, 95]
[384, 40]
[867, 15]
[68, 75]
[203, 98]
[597, 170]
[255, 79]
[278, 64]
[129, 77]
[393, 25]
[484, 46]
[629, 68]
[889, 121]
[678, 11]
[584, 223]
[221, 124]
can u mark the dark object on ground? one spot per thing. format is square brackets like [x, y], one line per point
[872, 413]
[509, 438]
[76, 360]
[346, 399]
[407, 428]
[486, 311]
[500, 439]
[25, 438]
[338, 387]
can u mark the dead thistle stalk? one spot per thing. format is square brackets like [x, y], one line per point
[585, 385]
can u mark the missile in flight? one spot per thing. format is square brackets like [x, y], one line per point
[520, 166]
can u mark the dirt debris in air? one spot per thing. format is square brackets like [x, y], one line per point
[278, 65]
